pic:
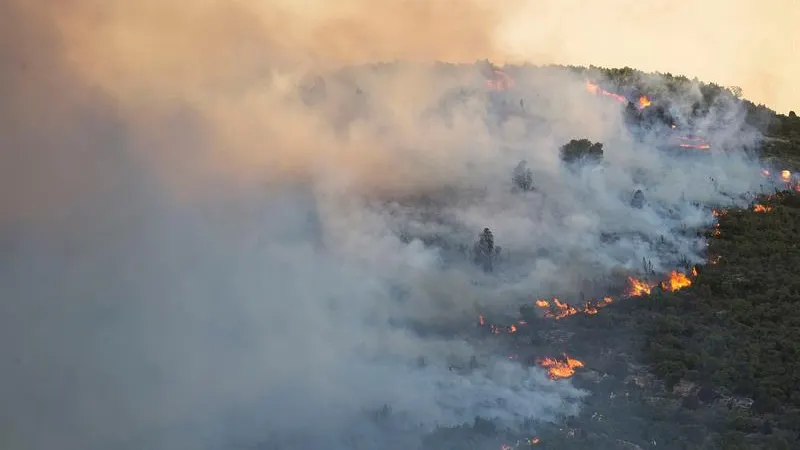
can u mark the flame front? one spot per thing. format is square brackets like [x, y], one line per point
[559, 310]
[676, 281]
[597, 90]
[642, 103]
[558, 369]
[637, 288]
[786, 176]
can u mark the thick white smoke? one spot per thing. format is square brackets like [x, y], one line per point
[199, 254]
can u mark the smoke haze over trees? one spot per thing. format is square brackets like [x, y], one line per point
[219, 228]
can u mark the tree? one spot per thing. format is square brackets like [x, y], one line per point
[523, 177]
[578, 149]
[736, 91]
[485, 250]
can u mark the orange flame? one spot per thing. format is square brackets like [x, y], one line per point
[676, 281]
[559, 310]
[786, 176]
[563, 309]
[637, 288]
[643, 102]
[765, 172]
[535, 440]
[595, 89]
[761, 208]
[558, 369]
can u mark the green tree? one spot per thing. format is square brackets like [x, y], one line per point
[578, 149]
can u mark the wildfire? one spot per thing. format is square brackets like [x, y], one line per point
[786, 176]
[765, 172]
[759, 208]
[638, 287]
[643, 102]
[597, 90]
[542, 303]
[559, 310]
[532, 441]
[500, 81]
[697, 146]
[694, 142]
[558, 369]
[563, 309]
[676, 281]
[592, 309]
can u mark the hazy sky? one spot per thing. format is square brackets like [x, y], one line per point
[749, 43]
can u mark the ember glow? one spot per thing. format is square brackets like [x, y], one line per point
[560, 368]
[759, 208]
[694, 142]
[697, 146]
[500, 81]
[786, 176]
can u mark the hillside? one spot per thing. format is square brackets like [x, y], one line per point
[712, 365]
[398, 257]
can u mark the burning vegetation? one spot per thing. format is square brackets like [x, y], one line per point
[560, 368]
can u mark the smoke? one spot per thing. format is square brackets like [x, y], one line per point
[219, 229]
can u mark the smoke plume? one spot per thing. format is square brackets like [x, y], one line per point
[219, 228]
